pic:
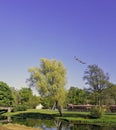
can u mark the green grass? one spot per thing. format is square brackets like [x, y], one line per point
[84, 118]
[75, 117]
[43, 111]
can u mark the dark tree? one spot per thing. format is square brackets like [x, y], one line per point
[97, 81]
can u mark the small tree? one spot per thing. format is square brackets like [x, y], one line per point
[96, 112]
[50, 79]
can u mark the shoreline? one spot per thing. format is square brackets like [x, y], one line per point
[11, 126]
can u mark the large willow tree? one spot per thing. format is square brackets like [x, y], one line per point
[50, 79]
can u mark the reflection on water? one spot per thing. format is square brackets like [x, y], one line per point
[5, 119]
[57, 125]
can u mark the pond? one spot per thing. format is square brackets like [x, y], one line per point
[58, 125]
[47, 124]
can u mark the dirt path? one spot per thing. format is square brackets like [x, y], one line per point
[16, 127]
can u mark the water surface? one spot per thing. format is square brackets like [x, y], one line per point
[47, 124]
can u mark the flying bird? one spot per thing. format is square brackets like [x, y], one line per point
[80, 61]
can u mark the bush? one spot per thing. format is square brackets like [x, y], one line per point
[20, 108]
[96, 112]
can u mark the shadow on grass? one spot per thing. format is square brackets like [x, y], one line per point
[34, 115]
[76, 114]
[110, 114]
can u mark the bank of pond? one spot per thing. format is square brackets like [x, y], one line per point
[50, 120]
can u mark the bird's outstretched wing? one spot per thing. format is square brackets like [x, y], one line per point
[80, 61]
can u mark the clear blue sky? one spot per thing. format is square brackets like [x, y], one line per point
[56, 29]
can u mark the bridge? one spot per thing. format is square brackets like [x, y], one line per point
[8, 109]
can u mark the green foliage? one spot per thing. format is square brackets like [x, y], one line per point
[33, 101]
[20, 108]
[6, 97]
[25, 97]
[47, 102]
[76, 96]
[25, 94]
[96, 112]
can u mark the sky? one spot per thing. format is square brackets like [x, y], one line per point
[56, 29]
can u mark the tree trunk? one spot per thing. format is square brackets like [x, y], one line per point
[59, 108]
[53, 108]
